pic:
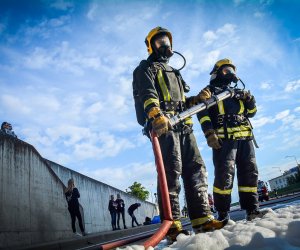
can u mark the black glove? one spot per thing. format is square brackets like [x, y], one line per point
[243, 95]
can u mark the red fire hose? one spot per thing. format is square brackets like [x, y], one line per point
[168, 219]
[163, 185]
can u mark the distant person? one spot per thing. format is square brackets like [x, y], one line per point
[112, 207]
[147, 221]
[211, 203]
[184, 212]
[131, 209]
[72, 195]
[120, 211]
[275, 192]
[6, 128]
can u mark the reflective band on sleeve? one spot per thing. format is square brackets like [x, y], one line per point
[177, 224]
[242, 107]
[188, 120]
[250, 111]
[220, 191]
[202, 220]
[204, 118]
[163, 86]
[150, 101]
[248, 189]
[221, 107]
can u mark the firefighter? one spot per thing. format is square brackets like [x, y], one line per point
[161, 91]
[229, 133]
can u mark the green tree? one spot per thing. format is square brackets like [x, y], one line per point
[137, 190]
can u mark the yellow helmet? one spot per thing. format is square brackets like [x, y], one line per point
[221, 63]
[153, 33]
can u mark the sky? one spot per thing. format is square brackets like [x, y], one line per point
[66, 77]
[277, 230]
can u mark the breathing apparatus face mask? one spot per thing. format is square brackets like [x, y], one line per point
[228, 73]
[162, 45]
[224, 76]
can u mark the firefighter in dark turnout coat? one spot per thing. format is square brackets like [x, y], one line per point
[228, 131]
[161, 91]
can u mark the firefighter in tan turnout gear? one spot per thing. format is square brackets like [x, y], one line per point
[229, 133]
[159, 93]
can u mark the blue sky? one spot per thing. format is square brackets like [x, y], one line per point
[66, 72]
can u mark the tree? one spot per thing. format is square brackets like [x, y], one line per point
[137, 190]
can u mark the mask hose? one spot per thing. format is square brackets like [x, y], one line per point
[184, 61]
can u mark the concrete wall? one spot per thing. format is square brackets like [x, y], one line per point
[94, 198]
[33, 208]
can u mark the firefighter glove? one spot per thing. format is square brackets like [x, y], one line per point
[212, 139]
[160, 123]
[203, 95]
[244, 95]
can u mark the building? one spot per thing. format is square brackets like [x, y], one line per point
[282, 180]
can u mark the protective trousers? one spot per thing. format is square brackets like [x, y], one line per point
[181, 156]
[240, 153]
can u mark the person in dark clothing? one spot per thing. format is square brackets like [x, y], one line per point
[6, 128]
[120, 211]
[161, 91]
[229, 133]
[72, 195]
[131, 209]
[112, 207]
[147, 221]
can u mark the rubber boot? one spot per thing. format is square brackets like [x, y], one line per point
[223, 216]
[209, 226]
[251, 215]
[174, 231]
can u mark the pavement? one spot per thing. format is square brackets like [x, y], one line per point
[78, 242]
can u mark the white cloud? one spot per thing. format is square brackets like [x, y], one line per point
[63, 58]
[297, 109]
[292, 86]
[258, 14]
[15, 104]
[221, 34]
[92, 12]
[144, 173]
[265, 85]
[2, 28]
[282, 115]
[62, 5]
[260, 122]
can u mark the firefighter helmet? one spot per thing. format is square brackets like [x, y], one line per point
[221, 63]
[154, 32]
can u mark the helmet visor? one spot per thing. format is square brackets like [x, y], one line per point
[162, 40]
[228, 70]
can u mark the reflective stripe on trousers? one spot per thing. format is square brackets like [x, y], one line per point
[239, 153]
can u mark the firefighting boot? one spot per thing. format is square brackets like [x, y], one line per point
[209, 226]
[223, 216]
[174, 231]
[251, 215]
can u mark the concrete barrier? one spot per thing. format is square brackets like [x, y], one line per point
[33, 208]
